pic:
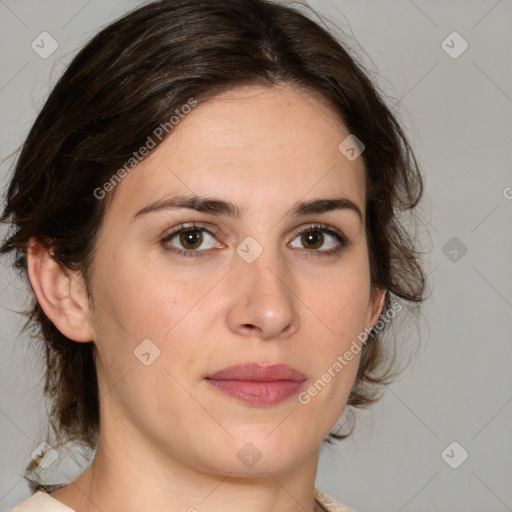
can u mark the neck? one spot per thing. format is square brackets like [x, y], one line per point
[128, 474]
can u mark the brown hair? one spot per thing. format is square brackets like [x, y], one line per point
[129, 79]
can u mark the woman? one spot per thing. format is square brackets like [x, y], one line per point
[206, 209]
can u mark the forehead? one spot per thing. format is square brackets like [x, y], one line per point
[252, 143]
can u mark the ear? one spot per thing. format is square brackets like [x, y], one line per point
[375, 307]
[61, 293]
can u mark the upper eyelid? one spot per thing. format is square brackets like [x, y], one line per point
[189, 226]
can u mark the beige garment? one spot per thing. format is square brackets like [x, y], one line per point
[41, 501]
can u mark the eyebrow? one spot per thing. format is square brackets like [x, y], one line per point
[216, 206]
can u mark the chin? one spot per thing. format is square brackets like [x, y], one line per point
[257, 451]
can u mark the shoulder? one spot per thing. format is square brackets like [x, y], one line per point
[41, 502]
[329, 503]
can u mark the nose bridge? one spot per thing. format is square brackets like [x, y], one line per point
[264, 298]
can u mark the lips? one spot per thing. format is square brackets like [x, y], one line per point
[257, 384]
[259, 373]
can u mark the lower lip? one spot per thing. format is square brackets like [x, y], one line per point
[258, 393]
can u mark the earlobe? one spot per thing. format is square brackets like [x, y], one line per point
[60, 293]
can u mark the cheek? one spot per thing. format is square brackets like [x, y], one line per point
[142, 302]
[146, 330]
[340, 301]
[335, 320]
[143, 311]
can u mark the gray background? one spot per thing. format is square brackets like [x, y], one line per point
[457, 112]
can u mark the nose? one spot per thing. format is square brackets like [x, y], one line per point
[263, 302]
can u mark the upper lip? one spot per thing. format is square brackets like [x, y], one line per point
[258, 373]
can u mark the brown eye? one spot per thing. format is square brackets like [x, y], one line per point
[321, 240]
[191, 239]
[312, 239]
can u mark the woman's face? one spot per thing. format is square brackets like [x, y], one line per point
[252, 282]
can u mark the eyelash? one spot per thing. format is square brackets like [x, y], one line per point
[324, 228]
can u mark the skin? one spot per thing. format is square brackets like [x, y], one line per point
[169, 441]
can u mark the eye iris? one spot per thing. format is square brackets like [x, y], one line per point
[193, 237]
[313, 239]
